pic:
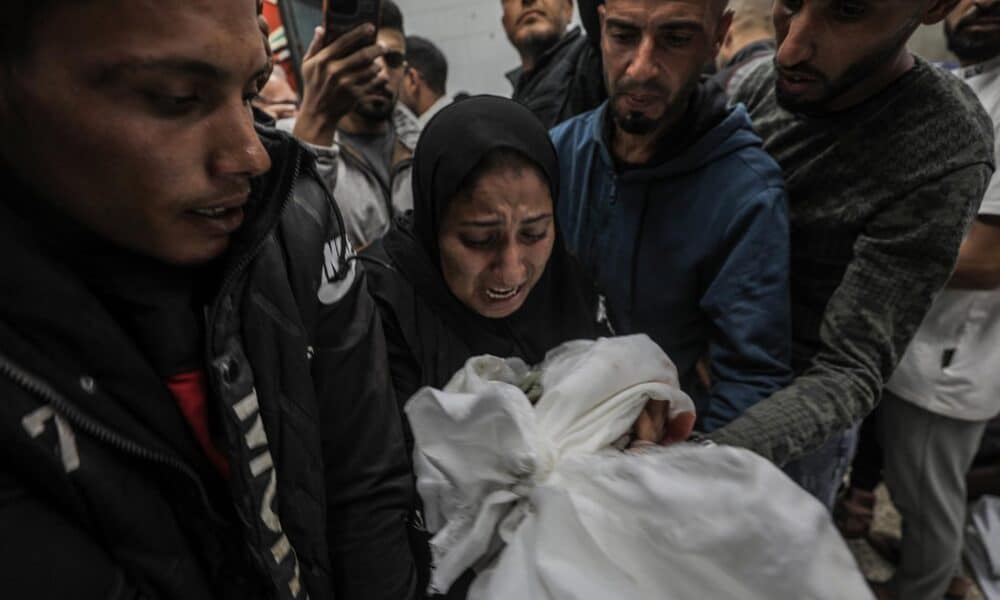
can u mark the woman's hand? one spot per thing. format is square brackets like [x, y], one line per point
[655, 427]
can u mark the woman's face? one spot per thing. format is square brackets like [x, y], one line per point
[496, 240]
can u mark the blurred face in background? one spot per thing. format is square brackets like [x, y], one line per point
[277, 98]
[382, 94]
[134, 132]
[654, 52]
[534, 26]
[973, 30]
[496, 239]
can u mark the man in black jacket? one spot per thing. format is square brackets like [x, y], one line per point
[194, 400]
[560, 74]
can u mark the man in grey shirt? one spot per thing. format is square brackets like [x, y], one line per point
[363, 141]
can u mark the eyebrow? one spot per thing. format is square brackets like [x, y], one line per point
[495, 222]
[671, 25]
[173, 66]
[614, 22]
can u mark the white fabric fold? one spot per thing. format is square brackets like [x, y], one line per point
[541, 503]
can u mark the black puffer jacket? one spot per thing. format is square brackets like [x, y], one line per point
[567, 80]
[104, 491]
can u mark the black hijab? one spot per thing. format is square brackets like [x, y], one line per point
[562, 306]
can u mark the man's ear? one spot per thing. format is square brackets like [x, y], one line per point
[937, 10]
[411, 79]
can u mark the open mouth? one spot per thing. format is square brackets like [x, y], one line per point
[215, 213]
[793, 83]
[640, 99]
[796, 78]
[221, 219]
[500, 294]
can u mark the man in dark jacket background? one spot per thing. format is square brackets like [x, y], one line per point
[560, 74]
[194, 400]
[675, 209]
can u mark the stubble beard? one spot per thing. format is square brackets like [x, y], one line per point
[853, 76]
[534, 44]
[637, 123]
[970, 47]
[377, 111]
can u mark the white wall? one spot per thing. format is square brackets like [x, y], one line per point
[470, 35]
[929, 42]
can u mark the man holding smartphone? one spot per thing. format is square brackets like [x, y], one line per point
[350, 116]
[194, 400]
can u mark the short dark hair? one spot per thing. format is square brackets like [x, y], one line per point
[391, 17]
[429, 61]
[18, 25]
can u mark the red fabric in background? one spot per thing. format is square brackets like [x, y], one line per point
[192, 396]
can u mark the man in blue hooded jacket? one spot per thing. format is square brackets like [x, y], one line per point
[671, 203]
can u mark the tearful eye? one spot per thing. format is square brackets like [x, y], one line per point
[533, 237]
[477, 243]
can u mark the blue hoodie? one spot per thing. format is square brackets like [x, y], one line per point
[693, 252]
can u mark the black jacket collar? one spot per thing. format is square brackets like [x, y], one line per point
[518, 77]
[54, 326]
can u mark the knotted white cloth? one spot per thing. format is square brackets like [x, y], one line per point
[541, 501]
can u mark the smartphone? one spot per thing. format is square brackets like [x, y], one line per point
[341, 16]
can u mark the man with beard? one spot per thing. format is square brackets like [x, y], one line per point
[939, 400]
[365, 144]
[671, 204]
[560, 72]
[887, 159]
[194, 400]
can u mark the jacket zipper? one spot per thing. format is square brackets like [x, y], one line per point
[81, 421]
[248, 258]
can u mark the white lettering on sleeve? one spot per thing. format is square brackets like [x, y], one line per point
[34, 424]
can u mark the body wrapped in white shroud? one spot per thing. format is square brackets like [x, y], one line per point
[540, 500]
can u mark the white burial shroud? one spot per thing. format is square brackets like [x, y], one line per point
[541, 501]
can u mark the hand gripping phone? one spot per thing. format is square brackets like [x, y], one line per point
[341, 16]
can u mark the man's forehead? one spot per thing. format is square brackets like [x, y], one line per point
[170, 36]
[174, 24]
[393, 38]
[652, 11]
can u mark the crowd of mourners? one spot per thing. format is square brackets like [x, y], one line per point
[222, 285]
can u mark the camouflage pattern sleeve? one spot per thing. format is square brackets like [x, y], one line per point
[903, 258]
